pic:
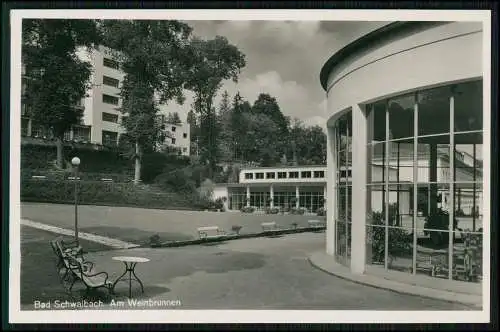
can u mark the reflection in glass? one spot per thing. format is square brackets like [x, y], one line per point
[434, 111]
[377, 121]
[401, 116]
[468, 201]
[469, 106]
[468, 257]
[432, 259]
[400, 249]
[433, 159]
[375, 243]
[437, 209]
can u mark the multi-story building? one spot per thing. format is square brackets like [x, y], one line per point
[101, 123]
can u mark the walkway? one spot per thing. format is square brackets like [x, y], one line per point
[260, 273]
[113, 243]
[404, 283]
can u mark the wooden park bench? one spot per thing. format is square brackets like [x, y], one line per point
[316, 223]
[269, 226]
[211, 232]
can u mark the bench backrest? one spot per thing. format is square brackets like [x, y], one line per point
[268, 224]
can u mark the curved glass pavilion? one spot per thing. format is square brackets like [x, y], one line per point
[406, 106]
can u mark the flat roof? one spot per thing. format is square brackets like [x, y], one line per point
[280, 167]
[369, 39]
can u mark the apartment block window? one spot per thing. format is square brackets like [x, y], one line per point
[185, 135]
[306, 174]
[173, 128]
[184, 149]
[319, 174]
[110, 81]
[293, 175]
[259, 175]
[107, 62]
[109, 138]
[81, 133]
[270, 175]
[281, 175]
[108, 117]
[249, 176]
[109, 99]
[173, 140]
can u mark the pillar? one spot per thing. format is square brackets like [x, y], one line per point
[359, 180]
[297, 197]
[271, 195]
[248, 196]
[331, 162]
[324, 195]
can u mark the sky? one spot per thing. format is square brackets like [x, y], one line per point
[284, 59]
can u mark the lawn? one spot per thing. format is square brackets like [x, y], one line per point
[136, 225]
[39, 279]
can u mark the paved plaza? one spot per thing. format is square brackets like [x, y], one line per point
[260, 273]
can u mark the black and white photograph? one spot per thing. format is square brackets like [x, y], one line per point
[223, 166]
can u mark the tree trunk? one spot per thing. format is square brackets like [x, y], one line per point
[138, 157]
[60, 152]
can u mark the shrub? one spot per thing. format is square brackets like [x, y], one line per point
[273, 210]
[101, 193]
[321, 211]
[178, 181]
[399, 244]
[295, 225]
[219, 204]
[298, 211]
[248, 209]
[154, 240]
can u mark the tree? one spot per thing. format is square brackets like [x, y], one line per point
[238, 109]
[268, 105]
[153, 55]
[261, 134]
[265, 104]
[212, 61]
[174, 118]
[308, 144]
[225, 139]
[57, 79]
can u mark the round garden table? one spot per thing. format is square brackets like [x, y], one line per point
[130, 263]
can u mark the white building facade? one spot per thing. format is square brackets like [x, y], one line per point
[276, 187]
[405, 107]
[101, 117]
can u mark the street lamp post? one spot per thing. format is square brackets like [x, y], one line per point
[76, 162]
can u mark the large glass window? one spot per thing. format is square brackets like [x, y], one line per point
[425, 182]
[343, 131]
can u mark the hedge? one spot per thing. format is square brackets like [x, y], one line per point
[103, 193]
[42, 157]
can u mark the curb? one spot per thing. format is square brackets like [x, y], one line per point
[471, 300]
[231, 237]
